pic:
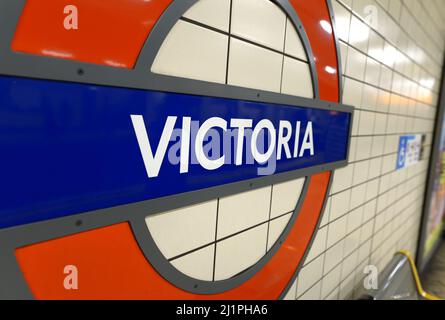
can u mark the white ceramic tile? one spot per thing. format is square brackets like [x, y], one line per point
[248, 21]
[333, 296]
[385, 77]
[374, 168]
[313, 293]
[337, 230]
[297, 80]
[348, 265]
[276, 228]
[285, 196]
[356, 123]
[344, 55]
[179, 231]
[334, 256]
[347, 288]
[197, 265]
[372, 189]
[326, 213]
[369, 211]
[389, 55]
[352, 93]
[370, 97]
[310, 275]
[254, 67]
[372, 74]
[213, 13]
[389, 163]
[330, 282]
[347, 3]
[243, 210]
[342, 179]
[380, 123]
[366, 231]
[353, 150]
[358, 194]
[376, 43]
[238, 253]
[359, 34]
[367, 120]
[293, 45]
[190, 51]
[363, 148]
[342, 21]
[318, 246]
[378, 144]
[364, 251]
[361, 170]
[383, 101]
[340, 204]
[355, 218]
[356, 64]
[351, 242]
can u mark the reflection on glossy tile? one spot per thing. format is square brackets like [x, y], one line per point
[356, 64]
[297, 80]
[178, 231]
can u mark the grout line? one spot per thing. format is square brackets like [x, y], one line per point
[227, 237]
[265, 47]
[364, 242]
[216, 237]
[374, 215]
[390, 42]
[389, 91]
[379, 186]
[414, 17]
[437, 27]
[229, 40]
[381, 175]
[282, 61]
[270, 214]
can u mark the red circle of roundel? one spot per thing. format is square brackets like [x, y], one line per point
[118, 269]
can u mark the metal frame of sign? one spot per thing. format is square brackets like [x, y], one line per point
[421, 261]
[13, 285]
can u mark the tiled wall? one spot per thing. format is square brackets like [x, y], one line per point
[226, 42]
[391, 54]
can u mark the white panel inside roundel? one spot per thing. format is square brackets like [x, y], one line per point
[228, 42]
[219, 239]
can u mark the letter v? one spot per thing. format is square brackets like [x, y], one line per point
[152, 164]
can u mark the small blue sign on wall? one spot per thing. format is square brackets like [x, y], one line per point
[409, 152]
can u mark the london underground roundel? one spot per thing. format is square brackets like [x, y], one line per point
[165, 149]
